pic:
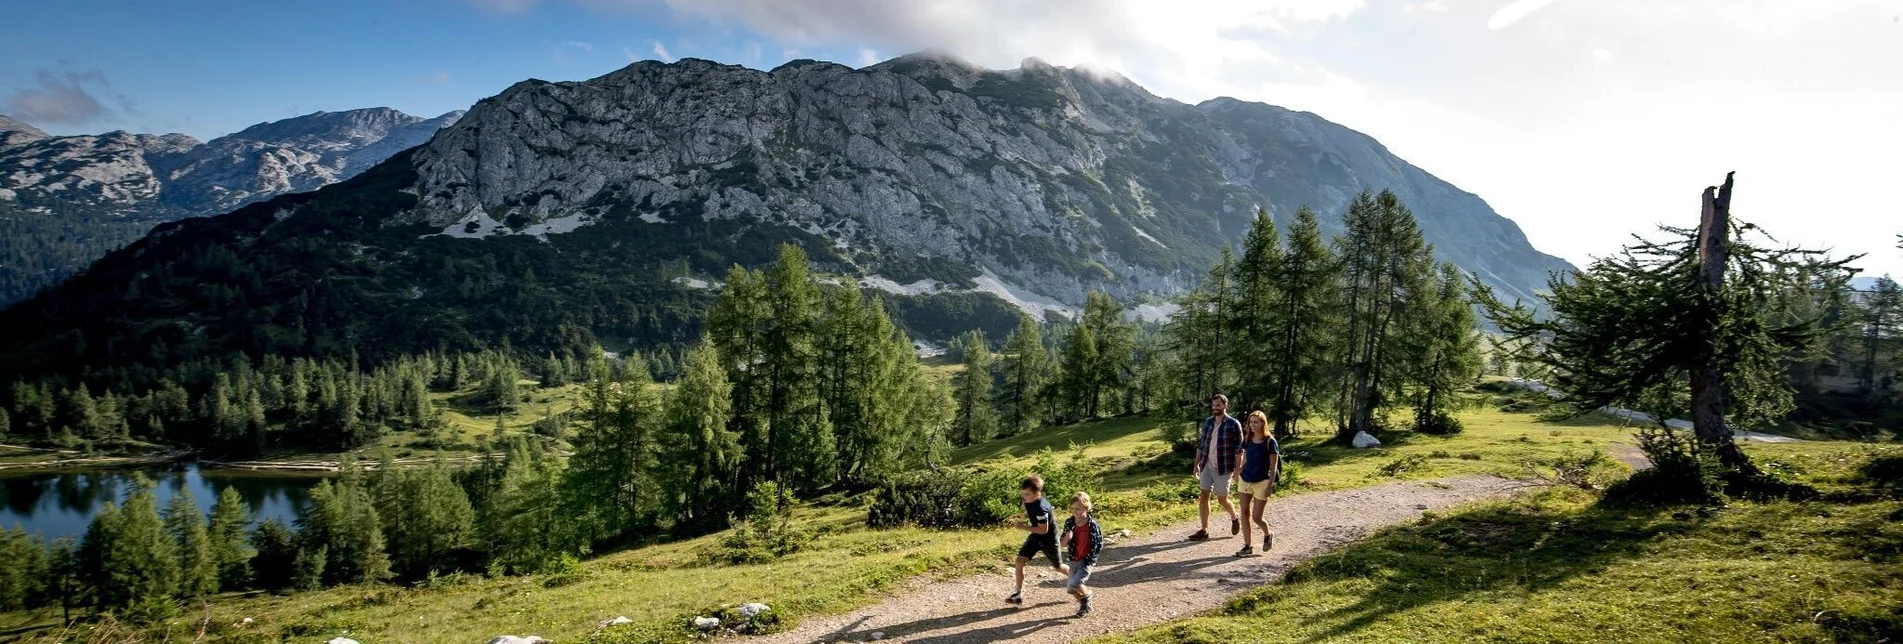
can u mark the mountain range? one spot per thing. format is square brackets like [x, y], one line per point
[103, 191]
[555, 214]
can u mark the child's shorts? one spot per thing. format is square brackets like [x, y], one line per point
[1036, 543]
[1079, 573]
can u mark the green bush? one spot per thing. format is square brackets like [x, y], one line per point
[1439, 423]
[927, 499]
[765, 535]
[949, 498]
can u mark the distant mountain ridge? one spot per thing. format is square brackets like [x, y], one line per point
[104, 190]
[555, 215]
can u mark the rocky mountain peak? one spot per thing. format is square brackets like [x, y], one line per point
[1054, 180]
[15, 132]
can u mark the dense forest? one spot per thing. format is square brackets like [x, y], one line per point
[41, 249]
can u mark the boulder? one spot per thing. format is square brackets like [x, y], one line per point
[341, 640]
[749, 609]
[1365, 440]
[706, 623]
[511, 639]
[878, 635]
[617, 621]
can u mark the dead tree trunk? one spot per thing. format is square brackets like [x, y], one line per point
[1708, 381]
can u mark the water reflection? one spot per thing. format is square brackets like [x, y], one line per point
[61, 504]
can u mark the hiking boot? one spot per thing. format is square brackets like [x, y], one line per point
[1201, 535]
[1268, 541]
[1235, 526]
[1246, 551]
[1083, 606]
[1016, 599]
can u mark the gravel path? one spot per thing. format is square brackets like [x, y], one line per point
[1141, 580]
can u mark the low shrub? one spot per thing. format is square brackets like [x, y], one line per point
[1439, 423]
[1401, 465]
[952, 498]
[1683, 471]
[927, 499]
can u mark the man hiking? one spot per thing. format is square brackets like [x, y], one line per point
[1218, 448]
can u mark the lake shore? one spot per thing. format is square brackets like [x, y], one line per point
[20, 459]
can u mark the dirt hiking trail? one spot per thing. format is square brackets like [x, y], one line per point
[1141, 580]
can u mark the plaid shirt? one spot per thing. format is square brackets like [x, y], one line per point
[1089, 557]
[1228, 440]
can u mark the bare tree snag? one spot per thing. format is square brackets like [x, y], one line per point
[1708, 382]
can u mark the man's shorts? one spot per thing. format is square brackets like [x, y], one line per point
[1213, 482]
[1036, 543]
[1259, 489]
[1079, 573]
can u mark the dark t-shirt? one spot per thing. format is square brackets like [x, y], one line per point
[1039, 513]
[1255, 459]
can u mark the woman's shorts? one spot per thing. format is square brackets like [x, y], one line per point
[1259, 489]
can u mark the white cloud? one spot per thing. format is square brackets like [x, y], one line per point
[661, 52]
[1430, 6]
[584, 46]
[1602, 54]
[1514, 11]
[62, 99]
[868, 57]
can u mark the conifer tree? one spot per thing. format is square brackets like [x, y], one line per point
[736, 324]
[1445, 348]
[703, 450]
[1026, 373]
[1300, 319]
[527, 525]
[198, 569]
[1251, 335]
[129, 561]
[800, 451]
[1690, 320]
[430, 517]
[975, 422]
[341, 521]
[1384, 263]
[1116, 346]
[1080, 382]
[308, 568]
[24, 570]
[1882, 323]
[277, 556]
[1195, 338]
[501, 390]
[229, 516]
[611, 475]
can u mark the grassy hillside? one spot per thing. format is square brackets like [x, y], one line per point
[843, 564]
[1557, 566]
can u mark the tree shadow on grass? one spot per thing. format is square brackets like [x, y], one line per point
[1506, 546]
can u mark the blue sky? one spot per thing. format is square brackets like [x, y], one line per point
[1585, 121]
[207, 68]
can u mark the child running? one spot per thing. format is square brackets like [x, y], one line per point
[1042, 538]
[1261, 462]
[1083, 538]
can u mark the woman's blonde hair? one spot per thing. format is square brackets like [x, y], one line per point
[1081, 497]
[1257, 415]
